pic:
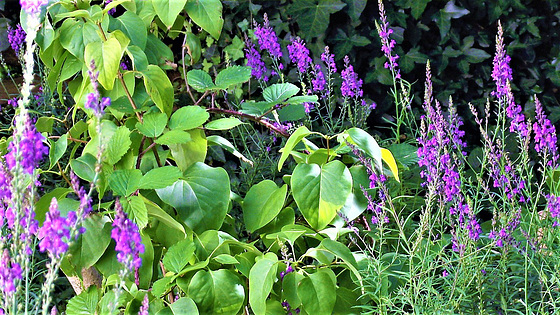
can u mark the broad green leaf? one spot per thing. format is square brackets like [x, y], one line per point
[42, 206]
[107, 56]
[387, 156]
[291, 113]
[365, 142]
[118, 145]
[85, 303]
[262, 203]
[226, 259]
[58, 149]
[356, 203]
[138, 57]
[156, 51]
[228, 146]
[418, 7]
[186, 154]
[188, 117]
[201, 199]
[261, 279]
[184, 305]
[160, 177]
[475, 55]
[223, 123]
[217, 292]
[200, 80]
[313, 15]
[206, 14]
[174, 137]
[152, 125]
[91, 245]
[320, 191]
[355, 9]
[404, 153]
[318, 293]
[136, 210]
[75, 35]
[293, 140]
[132, 26]
[125, 182]
[156, 212]
[84, 167]
[179, 255]
[159, 88]
[168, 11]
[44, 124]
[231, 76]
[279, 92]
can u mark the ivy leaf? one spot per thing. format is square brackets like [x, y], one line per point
[417, 7]
[313, 15]
[206, 14]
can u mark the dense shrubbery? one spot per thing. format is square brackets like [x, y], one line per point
[179, 160]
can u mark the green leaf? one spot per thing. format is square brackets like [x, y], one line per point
[44, 124]
[160, 177]
[159, 88]
[125, 182]
[156, 212]
[138, 57]
[318, 293]
[118, 145]
[365, 142]
[58, 149]
[200, 80]
[156, 51]
[107, 56]
[42, 206]
[184, 305]
[320, 191]
[231, 76]
[418, 7]
[226, 259]
[132, 26]
[136, 210]
[355, 9]
[84, 167]
[223, 123]
[217, 292]
[85, 303]
[262, 204]
[179, 255]
[475, 55]
[174, 137]
[293, 140]
[75, 35]
[279, 92]
[228, 146]
[206, 14]
[186, 154]
[313, 15]
[201, 199]
[188, 117]
[91, 245]
[261, 279]
[168, 11]
[152, 125]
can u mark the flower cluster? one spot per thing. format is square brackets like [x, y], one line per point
[29, 150]
[387, 44]
[319, 80]
[288, 308]
[267, 39]
[328, 59]
[351, 84]
[93, 99]
[145, 306]
[553, 207]
[127, 236]
[54, 235]
[16, 37]
[9, 273]
[284, 273]
[545, 134]
[113, 10]
[504, 236]
[33, 7]
[254, 60]
[299, 54]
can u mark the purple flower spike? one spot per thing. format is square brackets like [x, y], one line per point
[387, 44]
[254, 60]
[9, 273]
[127, 236]
[545, 133]
[351, 84]
[16, 37]
[55, 232]
[31, 149]
[319, 80]
[33, 7]
[328, 59]
[145, 306]
[299, 54]
[267, 39]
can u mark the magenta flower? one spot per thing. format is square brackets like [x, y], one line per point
[254, 60]
[387, 44]
[319, 80]
[54, 235]
[545, 133]
[299, 54]
[328, 59]
[351, 84]
[16, 37]
[267, 39]
[127, 236]
[30, 149]
[9, 273]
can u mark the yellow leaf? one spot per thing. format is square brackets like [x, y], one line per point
[387, 156]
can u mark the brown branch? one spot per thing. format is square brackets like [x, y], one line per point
[256, 119]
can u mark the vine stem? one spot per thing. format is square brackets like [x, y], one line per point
[259, 120]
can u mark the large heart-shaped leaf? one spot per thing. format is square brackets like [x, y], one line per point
[132, 26]
[320, 191]
[207, 14]
[261, 279]
[262, 203]
[107, 57]
[231, 76]
[318, 293]
[168, 10]
[280, 92]
[201, 199]
[217, 292]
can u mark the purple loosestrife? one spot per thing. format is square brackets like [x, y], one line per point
[328, 59]
[267, 39]
[387, 44]
[545, 135]
[254, 60]
[29, 150]
[13, 102]
[145, 306]
[319, 80]
[299, 54]
[33, 7]
[351, 84]
[16, 37]
[54, 235]
[94, 100]
[10, 272]
[127, 236]
[113, 10]
[553, 206]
